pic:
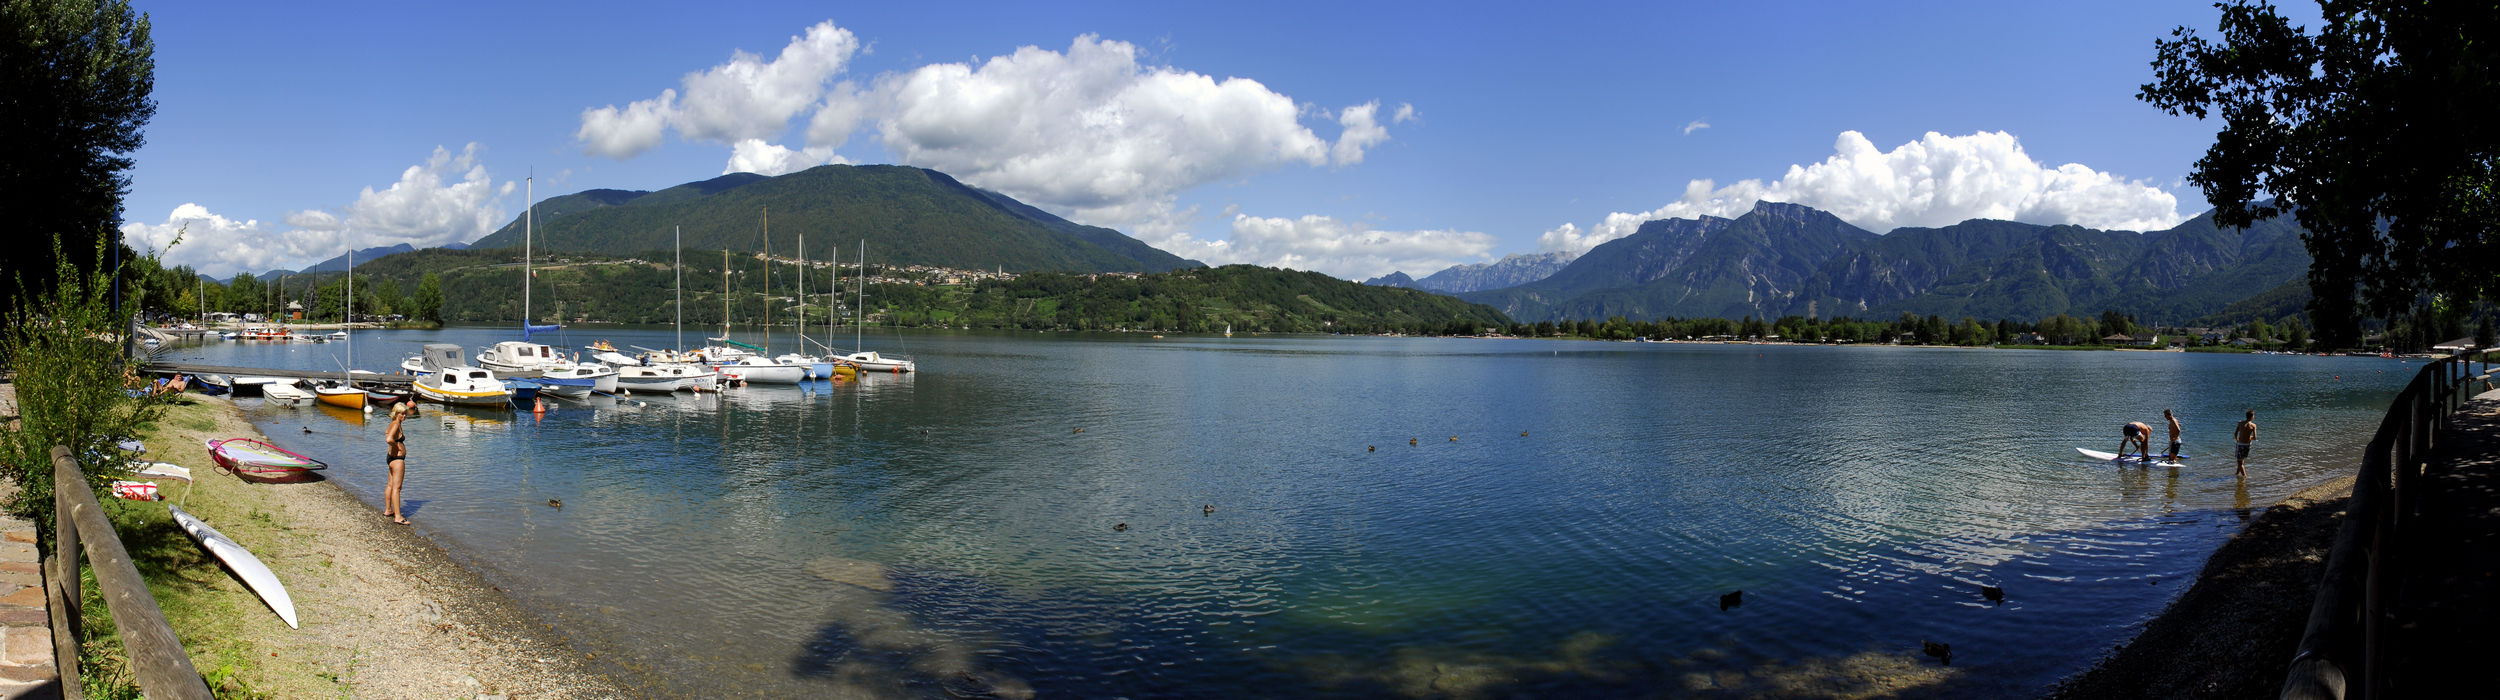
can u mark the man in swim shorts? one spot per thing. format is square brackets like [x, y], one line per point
[2137, 434]
[2174, 433]
[2244, 434]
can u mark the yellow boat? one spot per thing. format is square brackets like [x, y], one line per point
[340, 396]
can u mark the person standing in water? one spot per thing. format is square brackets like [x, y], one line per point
[2244, 434]
[2139, 435]
[395, 442]
[2174, 433]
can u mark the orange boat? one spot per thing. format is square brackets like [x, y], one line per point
[340, 395]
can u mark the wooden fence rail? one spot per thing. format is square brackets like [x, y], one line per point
[2340, 650]
[164, 670]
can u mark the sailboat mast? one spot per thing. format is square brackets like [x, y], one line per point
[528, 221]
[681, 288]
[831, 296]
[347, 314]
[859, 333]
[833, 293]
[802, 286]
[768, 280]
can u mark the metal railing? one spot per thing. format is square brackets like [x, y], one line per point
[2340, 650]
[156, 657]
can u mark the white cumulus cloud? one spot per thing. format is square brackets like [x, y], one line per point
[1095, 132]
[1695, 125]
[756, 156]
[1342, 249]
[445, 199]
[1937, 180]
[746, 98]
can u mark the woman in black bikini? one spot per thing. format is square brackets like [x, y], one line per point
[396, 440]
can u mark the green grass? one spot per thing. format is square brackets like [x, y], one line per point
[210, 611]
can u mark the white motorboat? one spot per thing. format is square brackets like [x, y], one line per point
[762, 370]
[665, 378]
[817, 367]
[448, 380]
[519, 356]
[286, 393]
[573, 381]
[870, 361]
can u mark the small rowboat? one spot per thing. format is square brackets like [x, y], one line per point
[253, 459]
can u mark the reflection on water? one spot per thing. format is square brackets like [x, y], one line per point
[957, 531]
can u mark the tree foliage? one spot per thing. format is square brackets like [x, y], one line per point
[63, 346]
[2373, 132]
[75, 80]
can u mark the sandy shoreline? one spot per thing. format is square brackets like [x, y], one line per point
[385, 612]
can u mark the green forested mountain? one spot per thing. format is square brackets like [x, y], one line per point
[484, 286]
[908, 216]
[1785, 259]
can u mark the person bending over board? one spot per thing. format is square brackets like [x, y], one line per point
[2174, 433]
[395, 442]
[2139, 435]
[2244, 434]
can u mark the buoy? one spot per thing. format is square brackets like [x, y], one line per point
[538, 407]
[368, 408]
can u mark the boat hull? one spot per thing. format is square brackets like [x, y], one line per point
[255, 574]
[765, 374]
[350, 398]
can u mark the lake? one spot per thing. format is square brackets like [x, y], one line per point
[1390, 516]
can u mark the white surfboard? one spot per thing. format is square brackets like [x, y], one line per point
[254, 574]
[161, 470]
[2113, 456]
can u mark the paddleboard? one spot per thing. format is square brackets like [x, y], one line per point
[2112, 456]
[254, 574]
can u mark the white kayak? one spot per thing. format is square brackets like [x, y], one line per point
[254, 574]
[2113, 456]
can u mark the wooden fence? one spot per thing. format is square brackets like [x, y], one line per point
[2340, 651]
[163, 668]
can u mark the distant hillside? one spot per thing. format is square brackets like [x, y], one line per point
[1510, 271]
[1393, 279]
[908, 216]
[1786, 259]
[484, 286]
[362, 256]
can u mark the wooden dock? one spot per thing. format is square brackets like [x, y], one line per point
[386, 379]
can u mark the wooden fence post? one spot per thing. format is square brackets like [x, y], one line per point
[163, 667]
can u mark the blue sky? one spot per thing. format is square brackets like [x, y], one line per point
[1349, 138]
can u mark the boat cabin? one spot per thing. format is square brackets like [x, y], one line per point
[520, 354]
[440, 356]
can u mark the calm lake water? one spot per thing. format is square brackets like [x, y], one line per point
[1563, 523]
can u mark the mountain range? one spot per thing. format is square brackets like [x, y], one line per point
[1786, 259]
[1510, 271]
[908, 216]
